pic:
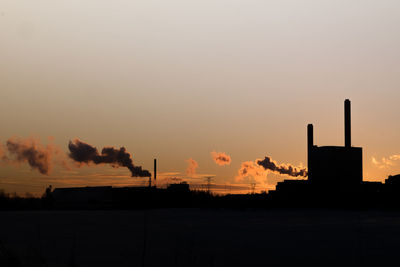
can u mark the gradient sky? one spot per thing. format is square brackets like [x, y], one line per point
[178, 79]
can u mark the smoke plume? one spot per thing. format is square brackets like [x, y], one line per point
[252, 170]
[287, 169]
[84, 153]
[385, 162]
[221, 158]
[257, 170]
[30, 150]
[192, 166]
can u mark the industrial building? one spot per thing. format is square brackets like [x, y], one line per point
[121, 197]
[332, 170]
[335, 166]
[335, 178]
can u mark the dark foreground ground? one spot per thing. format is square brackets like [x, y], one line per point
[194, 237]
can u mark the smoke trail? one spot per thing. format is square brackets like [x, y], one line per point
[31, 151]
[192, 166]
[250, 169]
[385, 162]
[287, 169]
[221, 158]
[257, 172]
[84, 153]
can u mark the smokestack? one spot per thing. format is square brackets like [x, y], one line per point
[310, 144]
[310, 135]
[347, 123]
[155, 170]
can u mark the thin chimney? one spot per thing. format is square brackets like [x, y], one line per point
[347, 123]
[155, 170]
[310, 144]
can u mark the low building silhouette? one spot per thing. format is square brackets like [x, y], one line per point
[181, 187]
[393, 182]
[84, 197]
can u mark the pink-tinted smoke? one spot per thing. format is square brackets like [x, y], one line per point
[221, 158]
[251, 170]
[31, 151]
[192, 166]
[257, 171]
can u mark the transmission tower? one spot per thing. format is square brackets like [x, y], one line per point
[253, 188]
[208, 181]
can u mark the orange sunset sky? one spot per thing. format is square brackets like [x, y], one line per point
[176, 80]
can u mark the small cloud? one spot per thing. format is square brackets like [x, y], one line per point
[221, 158]
[192, 166]
[385, 162]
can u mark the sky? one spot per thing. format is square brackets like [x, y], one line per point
[177, 80]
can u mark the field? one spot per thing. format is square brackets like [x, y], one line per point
[196, 237]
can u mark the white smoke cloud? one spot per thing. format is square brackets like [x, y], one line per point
[385, 162]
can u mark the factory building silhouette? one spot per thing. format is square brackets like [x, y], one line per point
[347, 172]
[335, 173]
[122, 197]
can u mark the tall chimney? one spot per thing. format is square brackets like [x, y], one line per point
[347, 123]
[310, 135]
[310, 144]
[155, 170]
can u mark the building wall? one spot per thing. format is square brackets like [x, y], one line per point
[338, 167]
